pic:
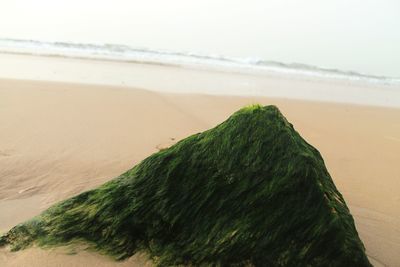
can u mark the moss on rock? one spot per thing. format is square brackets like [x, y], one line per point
[250, 191]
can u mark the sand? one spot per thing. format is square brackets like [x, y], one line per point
[197, 79]
[59, 139]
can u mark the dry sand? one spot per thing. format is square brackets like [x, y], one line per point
[59, 139]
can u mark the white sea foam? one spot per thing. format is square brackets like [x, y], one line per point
[143, 55]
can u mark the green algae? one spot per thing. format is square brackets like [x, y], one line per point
[250, 191]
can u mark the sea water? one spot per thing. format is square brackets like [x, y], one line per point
[125, 53]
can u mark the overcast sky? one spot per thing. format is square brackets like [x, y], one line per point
[346, 34]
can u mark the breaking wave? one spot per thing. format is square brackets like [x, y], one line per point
[142, 55]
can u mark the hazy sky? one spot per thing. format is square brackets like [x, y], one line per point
[347, 34]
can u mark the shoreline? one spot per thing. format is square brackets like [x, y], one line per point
[196, 94]
[198, 80]
[232, 70]
[185, 59]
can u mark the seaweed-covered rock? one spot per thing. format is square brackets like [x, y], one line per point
[250, 191]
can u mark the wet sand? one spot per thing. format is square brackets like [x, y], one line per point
[59, 139]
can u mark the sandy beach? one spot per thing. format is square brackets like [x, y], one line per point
[63, 135]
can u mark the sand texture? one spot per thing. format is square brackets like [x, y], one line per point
[59, 139]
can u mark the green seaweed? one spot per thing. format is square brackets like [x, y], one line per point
[249, 192]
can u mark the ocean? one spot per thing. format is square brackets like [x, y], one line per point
[125, 53]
